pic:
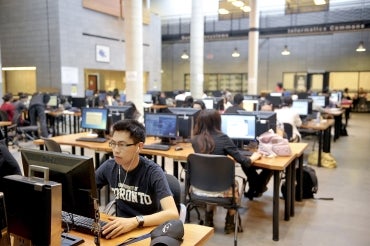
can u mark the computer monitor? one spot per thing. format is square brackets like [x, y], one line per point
[148, 98]
[95, 119]
[251, 97]
[186, 120]
[164, 126]
[275, 99]
[209, 102]
[335, 98]
[116, 113]
[303, 95]
[238, 126]
[78, 102]
[250, 104]
[89, 93]
[265, 120]
[53, 101]
[320, 100]
[76, 174]
[303, 107]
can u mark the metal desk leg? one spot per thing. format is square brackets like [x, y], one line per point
[288, 173]
[293, 187]
[275, 209]
[176, 169]
[320, 149]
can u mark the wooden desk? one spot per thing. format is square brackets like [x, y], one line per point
[337, 115]
[5, 125]
[324, 128]
[193, 235]
[276, 164]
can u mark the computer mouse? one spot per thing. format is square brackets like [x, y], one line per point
[178, 148]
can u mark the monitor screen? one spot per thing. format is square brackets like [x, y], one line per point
[161, 125]
[186, 120]
[53, 102]
[78, 102]
[94, 118]
[335, 97]
[89, 93]
[208, 102]
[238, 126]
[320, 100]
[251, 97]
[250, 104]
[265, 120]
[148, 98]
[75, 173]
[302, 106]
[275, 99]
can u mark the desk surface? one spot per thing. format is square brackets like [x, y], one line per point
[194, 235]
[323, 125]
[5, 123]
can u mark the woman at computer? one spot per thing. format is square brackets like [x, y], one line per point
[208, 139]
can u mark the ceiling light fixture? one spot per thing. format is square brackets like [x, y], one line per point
[246, 8]
[18, 68]
[238, 4]
[223, 11]
[235, 53]
[285, 51]
[184, 55]
[319, 2]
[361, 47]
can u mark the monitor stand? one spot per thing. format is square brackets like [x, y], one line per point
[101, 133]
[168, 141]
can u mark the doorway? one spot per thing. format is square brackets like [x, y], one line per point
[92, 82]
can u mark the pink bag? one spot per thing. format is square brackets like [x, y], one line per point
[271, 144]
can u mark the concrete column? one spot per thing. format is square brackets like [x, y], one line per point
[133, 25]
[253, 47]
[196, 49]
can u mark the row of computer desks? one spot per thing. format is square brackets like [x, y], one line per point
[167, 135]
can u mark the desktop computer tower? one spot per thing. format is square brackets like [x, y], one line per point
[33, 210]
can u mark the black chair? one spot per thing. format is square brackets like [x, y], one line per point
[51, 145]
[288, 131]
[213, 173]
[4, 236]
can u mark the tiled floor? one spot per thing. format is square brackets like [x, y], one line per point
[342, 221]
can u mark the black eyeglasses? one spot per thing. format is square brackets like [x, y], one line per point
[120, 145]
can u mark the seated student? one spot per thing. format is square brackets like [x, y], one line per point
[8, 106]
[208, 139]
[238, 102]
[199, 104]
[8, 164]
[287, 115]
[143, 196]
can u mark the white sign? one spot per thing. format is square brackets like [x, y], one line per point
[69, 75]
[102, 53]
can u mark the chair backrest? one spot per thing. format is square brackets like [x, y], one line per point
[288, 130]
[51, 145]
[215, 173]
[3, 116]
[175, 188]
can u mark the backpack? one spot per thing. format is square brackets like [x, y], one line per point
[309, 183]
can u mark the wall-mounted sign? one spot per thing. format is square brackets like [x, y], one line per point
[102, 53]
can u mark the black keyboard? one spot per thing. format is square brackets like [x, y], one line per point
[94, 140]
[79, 223]
[245, 152]
[156, 146]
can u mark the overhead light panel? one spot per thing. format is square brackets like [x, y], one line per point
[319, 2]
[361, 47]
[235, 53]
[246, 8]
[223, 11]
[238, 4]
[184, 55]
[285, 51]
[18, 68]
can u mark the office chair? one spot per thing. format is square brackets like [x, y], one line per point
[214, 174]
[288, 131]
[51, 145]
[175, 188]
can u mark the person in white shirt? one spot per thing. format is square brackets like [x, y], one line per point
[287, 115]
